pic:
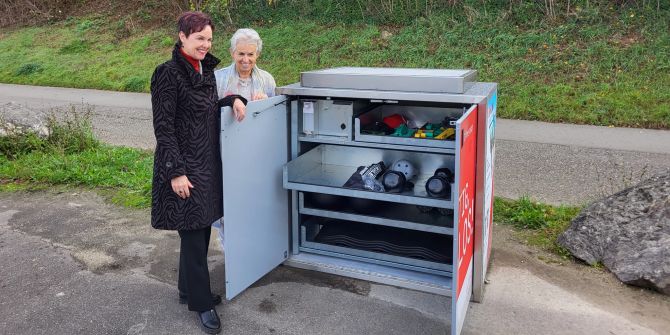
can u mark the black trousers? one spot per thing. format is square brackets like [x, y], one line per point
[193, 271]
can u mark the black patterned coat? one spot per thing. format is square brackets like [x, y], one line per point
[186, 122]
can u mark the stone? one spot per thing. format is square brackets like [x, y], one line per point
[17, 118]
[629, 233]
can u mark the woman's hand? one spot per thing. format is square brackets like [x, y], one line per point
[259, 96]
[239, 109]
[182, 186]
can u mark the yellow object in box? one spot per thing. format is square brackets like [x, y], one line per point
[420, 134]
[443, 135]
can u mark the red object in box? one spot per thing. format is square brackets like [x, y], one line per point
[394, 121]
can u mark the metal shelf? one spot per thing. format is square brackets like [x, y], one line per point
[406, 217]
[362, 269]
[373, 144]
[370, 256]
[326, 168]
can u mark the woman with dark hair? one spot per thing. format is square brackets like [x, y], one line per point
[187, 193]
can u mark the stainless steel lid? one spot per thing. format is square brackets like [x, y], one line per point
[390, 79]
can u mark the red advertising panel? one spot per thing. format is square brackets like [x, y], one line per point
[464, 212]
[466, 197]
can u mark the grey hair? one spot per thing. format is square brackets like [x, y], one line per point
[247, 35]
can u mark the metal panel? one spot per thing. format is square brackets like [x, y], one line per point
[378, 145]
[373, 272]
[255, 205]
[484, 200]
[390, 79]
[346, 192]
[333, 117]
[472, 95]
[368, 257]
[401, 218]
[375, 257]
[295, 124]
[464, 213]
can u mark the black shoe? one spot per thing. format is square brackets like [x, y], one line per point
[209, 321]
[183, 299]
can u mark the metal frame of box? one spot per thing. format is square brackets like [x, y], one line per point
[306, 170]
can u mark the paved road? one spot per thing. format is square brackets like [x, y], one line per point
[73, 264]
[553, 163]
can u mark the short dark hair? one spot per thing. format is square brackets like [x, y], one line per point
[193, 22]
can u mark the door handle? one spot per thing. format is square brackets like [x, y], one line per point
[255, 114]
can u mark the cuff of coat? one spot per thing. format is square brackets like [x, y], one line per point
[174, 171]
[228, 100]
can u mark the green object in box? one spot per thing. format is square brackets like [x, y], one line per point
[429, 130]
[403, 131]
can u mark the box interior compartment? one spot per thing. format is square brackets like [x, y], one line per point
[326, 168]
[422, 218]
[329, 119]
[427, 125]
[399, 247]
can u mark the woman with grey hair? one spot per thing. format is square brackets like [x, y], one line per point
[243, 77]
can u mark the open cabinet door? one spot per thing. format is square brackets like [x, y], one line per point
[464, 214]
[255, 206]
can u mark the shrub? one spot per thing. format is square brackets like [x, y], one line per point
[28, 69]
[72, 132]
[135, 84]
[75, 47]
[69, 132]
[14, 144]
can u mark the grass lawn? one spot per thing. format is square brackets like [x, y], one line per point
[538, 224]
[609, 69]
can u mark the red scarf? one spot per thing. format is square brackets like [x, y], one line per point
[193, 61]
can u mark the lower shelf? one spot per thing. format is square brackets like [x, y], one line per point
[412, 250]
[420, 281]
[377, 212]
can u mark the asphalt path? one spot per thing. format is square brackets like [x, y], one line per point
[552, 163]
[73, 264]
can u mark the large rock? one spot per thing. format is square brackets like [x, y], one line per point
[17, 118]
[629, 232]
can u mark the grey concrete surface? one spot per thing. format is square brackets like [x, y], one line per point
[568, 174]
[552, 163]
[73, 264]
[619, 139]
